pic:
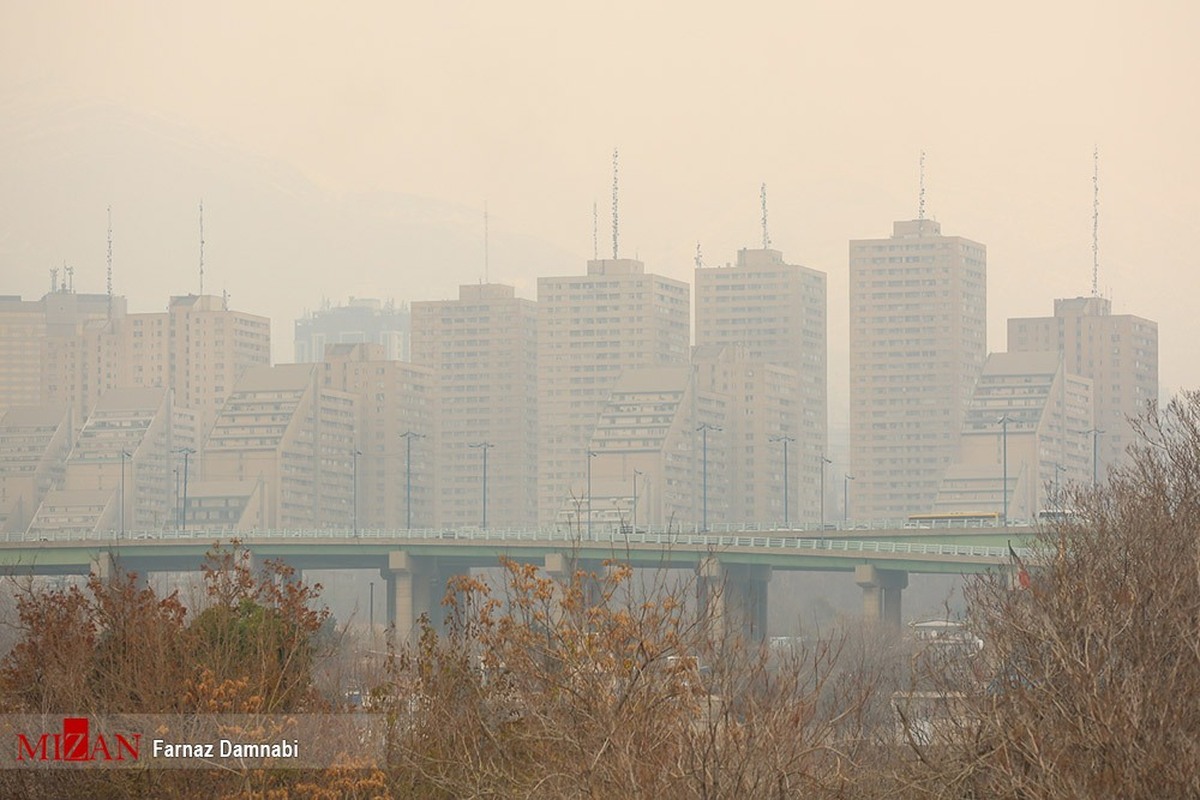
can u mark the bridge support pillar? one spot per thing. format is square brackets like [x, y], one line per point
[733, 598]
[409, 580]
[881, 593]
[107, 568]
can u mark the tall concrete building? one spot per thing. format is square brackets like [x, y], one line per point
[1118, 352]
[591, 328]
[282, 430]
[397, 429]
[60, 349]
[361, 321]
[482, 351]
[776, 313]
[1043, 446]
[199, 348]
[918, 340]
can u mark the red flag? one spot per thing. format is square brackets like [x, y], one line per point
[1022, 573]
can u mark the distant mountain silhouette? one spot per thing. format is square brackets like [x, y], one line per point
[275, 241]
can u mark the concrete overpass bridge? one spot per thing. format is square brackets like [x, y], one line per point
[733, 564]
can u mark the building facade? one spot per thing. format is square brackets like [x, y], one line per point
[918, 340]
[591, 328]
[1117, 352]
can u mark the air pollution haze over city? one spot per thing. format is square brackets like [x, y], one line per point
[351, 151]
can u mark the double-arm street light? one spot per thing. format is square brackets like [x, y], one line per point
[484, 446]
[786, 483]
[704, 428]
[408, 437]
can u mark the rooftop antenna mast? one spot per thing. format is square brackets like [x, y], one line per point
[766, 236]
[614, 210]
[69, 280]
[595, 233]
[1095, 221]
[699, 259]
[108, 274]
[201, 247]
[486, 278]
[53, 279]
[921, 195]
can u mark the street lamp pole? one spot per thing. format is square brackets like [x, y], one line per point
[185, 452]
[484, 446]
[637, 473]
[354, 454]
[1095, 432]
[1058, 468]
[824, 461]
[1003, 421]
[408, 436]
[124, 455]
[846, 500]
[704, 428]
[590, 455]
[786, 483]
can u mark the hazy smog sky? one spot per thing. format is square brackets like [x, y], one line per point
[336, 118]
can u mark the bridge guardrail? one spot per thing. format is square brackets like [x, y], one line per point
[714, 540]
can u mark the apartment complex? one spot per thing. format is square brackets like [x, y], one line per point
[117, 476]
[918, 340]
[1026, 433]
[396, 434]
[481, 350]
[1118, 352]
[34, 444]
[292, 437]
[361, 321]
[591, 328]
[775, 314]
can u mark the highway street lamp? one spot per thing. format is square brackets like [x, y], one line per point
[185, 451]
[1003, 422]
[408, 436]
[824, 461]
[484, 446]
[1095, 432]
[590, 455]
[1058, 468]
[637, 473]
[786, 482]
[704, 428]
[354, 454]
[124, 455]
[846, 500]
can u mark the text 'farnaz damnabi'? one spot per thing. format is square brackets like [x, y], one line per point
[225, 748]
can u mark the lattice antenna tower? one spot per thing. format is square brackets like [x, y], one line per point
[201, 247]
[595, 233]
[53, 279]
[108, 272]
[699, 258]
[69, 281]
[766, 236]
[486, 248]
[921, 194]
[1095, 221]
[614, 208]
